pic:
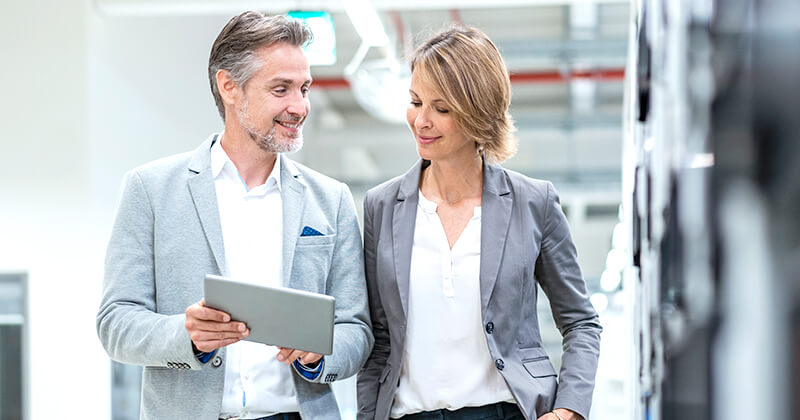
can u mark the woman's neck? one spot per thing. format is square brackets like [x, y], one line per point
[453, 181]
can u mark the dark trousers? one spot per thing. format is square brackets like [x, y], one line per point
[498, 411]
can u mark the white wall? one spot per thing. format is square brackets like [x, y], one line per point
[47, 226]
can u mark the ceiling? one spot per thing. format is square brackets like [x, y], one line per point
[566, 60]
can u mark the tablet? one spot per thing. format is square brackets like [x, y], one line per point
[277, 316]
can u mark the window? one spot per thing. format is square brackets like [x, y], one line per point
[13, 346]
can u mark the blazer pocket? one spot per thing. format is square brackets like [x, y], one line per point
[316, 240]
[312, 262]
[536, 362]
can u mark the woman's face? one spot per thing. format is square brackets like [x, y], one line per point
[437, 135]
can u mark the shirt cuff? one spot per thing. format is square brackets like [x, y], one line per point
[204, 357]
[307, 372]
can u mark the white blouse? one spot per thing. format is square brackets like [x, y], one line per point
[446, 363]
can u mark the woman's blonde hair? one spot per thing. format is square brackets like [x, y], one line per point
[466, 69]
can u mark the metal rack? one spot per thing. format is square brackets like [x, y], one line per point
[711, 192]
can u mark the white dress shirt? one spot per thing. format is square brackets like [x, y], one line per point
[256, 383]
[446, 363]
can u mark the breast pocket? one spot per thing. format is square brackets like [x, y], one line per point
[537, 364]
[318, 240]
[312, 261]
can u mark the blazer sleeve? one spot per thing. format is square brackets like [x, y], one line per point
[369, 377]
[352, 335]
[127, 323]
[558, 273]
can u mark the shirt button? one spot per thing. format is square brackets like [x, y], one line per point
[499, 363]
[216, 362]
[490, 327]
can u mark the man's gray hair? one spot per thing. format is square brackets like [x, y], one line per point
[235, 47]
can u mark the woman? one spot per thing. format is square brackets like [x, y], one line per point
[454, 249]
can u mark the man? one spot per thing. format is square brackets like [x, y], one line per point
[236, 206]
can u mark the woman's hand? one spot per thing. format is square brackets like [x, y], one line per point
[563, 412]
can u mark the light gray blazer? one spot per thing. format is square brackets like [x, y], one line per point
[525, 240]
[167, 237]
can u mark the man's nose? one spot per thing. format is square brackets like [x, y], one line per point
[298, 105]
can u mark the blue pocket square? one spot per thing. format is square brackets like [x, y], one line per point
[309, 231]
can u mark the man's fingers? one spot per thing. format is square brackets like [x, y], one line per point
[193, 324]
[203, 336]
[287, 356]
[209, 346]
[211, 329]
[310, 359]
[200, 311]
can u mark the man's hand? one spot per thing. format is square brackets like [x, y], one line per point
[211, 329]
[563, 412]
[287, 356]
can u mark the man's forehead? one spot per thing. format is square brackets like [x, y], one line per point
[285, 63]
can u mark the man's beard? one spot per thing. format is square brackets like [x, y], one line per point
[267, 141]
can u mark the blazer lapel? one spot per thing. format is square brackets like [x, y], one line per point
[204, 196]
[404, 218]
[496, 204]
[293, 206]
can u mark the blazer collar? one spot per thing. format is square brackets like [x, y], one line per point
[409, 186]
[495, 180]
[496, 205]
[404, 217]
[204, 196]
[293, 191]
[201, 157]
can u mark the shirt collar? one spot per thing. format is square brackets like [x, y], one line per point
[221, 161]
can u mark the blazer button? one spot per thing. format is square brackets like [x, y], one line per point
[499, 364]
[490, 327]
[217, 362]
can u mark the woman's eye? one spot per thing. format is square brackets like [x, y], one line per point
[442, 111]
[416, 103]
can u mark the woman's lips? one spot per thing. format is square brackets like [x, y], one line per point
[427, 139]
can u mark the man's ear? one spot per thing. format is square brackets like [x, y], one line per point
[228, 89]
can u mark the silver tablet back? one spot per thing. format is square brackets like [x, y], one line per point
[276, 316]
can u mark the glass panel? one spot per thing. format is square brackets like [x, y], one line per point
[11, 366]
[11, 295]
[126, 385]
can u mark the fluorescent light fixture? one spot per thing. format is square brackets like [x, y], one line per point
[365, 19]
[321, 51]
[599, 301]
[610, 280]
[616, 260]
[702, 160]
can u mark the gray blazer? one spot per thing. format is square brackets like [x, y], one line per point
[525, 240]
[167, 237]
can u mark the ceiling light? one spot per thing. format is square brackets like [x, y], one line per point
[365, 19]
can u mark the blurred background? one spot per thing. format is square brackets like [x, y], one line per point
[624, 105]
